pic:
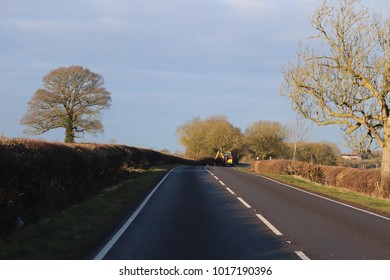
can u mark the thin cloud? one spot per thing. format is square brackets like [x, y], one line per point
[252, 7]
[53, 25]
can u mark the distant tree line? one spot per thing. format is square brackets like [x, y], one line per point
[260, 140]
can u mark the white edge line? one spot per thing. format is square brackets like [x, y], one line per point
[119, 233]
[232, 192]
[271, 227]
[323, 197]
[244, 202]
[302, 255]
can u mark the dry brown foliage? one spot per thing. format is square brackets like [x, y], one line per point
[360, 180]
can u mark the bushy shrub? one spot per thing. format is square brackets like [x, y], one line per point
[308, 171]
[271, 166]
[330, 174]
[360, 180]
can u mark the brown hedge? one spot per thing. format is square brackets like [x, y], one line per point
[271, 166]
[38, 177]
[360, 180]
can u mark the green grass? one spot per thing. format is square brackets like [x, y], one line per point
[74, 233]
[364, 201]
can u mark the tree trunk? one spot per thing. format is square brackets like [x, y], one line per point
[385, 169]
[69, 131]
[295, 150]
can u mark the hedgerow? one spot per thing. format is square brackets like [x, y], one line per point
[356, 179]
[38, 177]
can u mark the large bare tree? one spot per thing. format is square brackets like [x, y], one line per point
[72, 98]
[344, 77]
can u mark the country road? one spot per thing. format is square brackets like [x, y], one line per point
[221, 213]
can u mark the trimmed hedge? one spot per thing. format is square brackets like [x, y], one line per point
[360, 180]
[38, 177]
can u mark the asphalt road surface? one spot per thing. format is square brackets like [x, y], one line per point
[221, 213]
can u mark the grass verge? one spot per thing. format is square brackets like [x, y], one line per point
[75, 232]
[364, 201]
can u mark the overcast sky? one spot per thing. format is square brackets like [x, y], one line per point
[164, 61]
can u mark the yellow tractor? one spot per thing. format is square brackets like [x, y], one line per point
[224, 159]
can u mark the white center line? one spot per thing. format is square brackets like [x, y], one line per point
[271, 227]
[244, 202]
[232, 192]
[302, 255]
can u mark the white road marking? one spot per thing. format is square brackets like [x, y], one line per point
[216, 178]
[271, 227]
[325, 198]
[232, 192]
[205, 168]
[119, 233]
[302, 255]
[244, 202]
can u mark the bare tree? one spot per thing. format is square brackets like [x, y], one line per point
[359, 142]
[72, 98]
[345, 78]
[298, 131]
